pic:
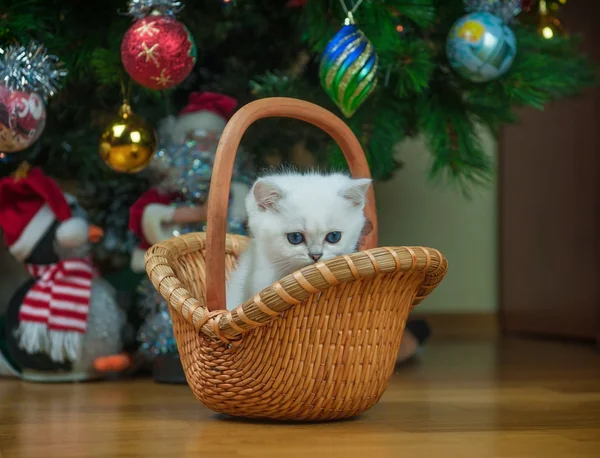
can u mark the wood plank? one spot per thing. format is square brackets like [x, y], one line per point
[513, 398]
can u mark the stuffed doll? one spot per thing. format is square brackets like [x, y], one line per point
[180, 192]
[64, 323]
[177, 203]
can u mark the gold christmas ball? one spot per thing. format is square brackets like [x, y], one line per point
[128, 143]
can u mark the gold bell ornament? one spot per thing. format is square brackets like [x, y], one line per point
[128, 143]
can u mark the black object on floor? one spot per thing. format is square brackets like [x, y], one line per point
[168, 369]
[420, 329]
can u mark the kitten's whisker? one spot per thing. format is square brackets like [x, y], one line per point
[282, 265]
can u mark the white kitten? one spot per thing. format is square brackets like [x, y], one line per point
[296, 220]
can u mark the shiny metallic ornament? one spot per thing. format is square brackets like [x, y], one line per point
[28, 78]
[22, 119]
[348, 68]
[128, 143]
[481, 47]
[158, 52]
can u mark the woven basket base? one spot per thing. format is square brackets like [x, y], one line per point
[326, 359]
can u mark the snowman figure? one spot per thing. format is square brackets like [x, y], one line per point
[64, 324]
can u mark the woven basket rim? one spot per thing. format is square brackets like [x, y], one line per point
[274, 300]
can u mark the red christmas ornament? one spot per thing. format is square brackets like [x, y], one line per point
[158, 52]
[22, 119]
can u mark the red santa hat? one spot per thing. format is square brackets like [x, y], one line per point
[219, 104]
[29, 206]
[205, 111]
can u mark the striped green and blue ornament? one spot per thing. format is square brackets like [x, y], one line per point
[348, 69]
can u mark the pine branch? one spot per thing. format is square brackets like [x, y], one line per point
[379, 26]
[107, 66]
[257, 48]
[450, 132]
[278, 84]
[420, 12]
[379, 131]
[543, 71]
[320, 21]
[414, 68]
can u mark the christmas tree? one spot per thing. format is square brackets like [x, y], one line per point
[251, 49]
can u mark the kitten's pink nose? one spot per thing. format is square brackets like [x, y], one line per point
[316, 256]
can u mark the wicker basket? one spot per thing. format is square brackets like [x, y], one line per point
[320, 344]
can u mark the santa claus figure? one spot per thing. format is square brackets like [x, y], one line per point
[205, 113]
[177, 204]
[163, 210]
[155, 217]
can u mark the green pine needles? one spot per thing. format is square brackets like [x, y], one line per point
[261, 48]
[419, 93]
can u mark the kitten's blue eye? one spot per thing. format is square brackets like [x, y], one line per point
[333, 237]
[295, 238]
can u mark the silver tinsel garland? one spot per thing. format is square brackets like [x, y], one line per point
[31, 69]
[142, 8]
[187, 168]
[156, 333]
[149, 299]
[505, 9]
[156, 336]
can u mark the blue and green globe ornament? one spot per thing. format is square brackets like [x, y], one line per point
[348, 68]
[481, 46]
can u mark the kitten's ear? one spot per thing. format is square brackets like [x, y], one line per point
[367, 228]
[356, 192]
[266, 194]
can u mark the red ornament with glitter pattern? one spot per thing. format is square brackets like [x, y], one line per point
[158, 52]
[22, 119]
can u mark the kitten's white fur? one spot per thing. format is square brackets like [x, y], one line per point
[313, 204]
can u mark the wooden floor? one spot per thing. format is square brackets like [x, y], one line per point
[517, 399]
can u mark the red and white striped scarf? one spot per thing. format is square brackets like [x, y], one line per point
[53, 315]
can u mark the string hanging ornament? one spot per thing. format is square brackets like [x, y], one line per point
[481, 45]
[29, 77]
[158, 52]
[349, 65]
[129, 142]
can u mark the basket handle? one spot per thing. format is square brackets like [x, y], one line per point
[223, 167]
